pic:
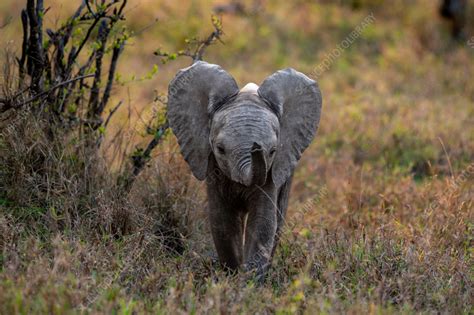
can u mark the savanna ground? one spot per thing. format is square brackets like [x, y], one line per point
[381, 216]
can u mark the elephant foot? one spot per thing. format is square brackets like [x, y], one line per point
[256, 272]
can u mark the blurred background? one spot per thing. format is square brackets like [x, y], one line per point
[397, 131]
[391, 89]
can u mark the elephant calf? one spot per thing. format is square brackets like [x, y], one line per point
[245, 144]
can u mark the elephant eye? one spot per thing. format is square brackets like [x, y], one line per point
[220, 149]
[272, 151]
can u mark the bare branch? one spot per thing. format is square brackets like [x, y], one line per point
[112, 112]
[119, 14]
[40, 13]
[113, 67]
[83, 42]
[81, 72]
[24, 47]
[90, 9]
[215, 35]
[35, 58]
[139, 160]
[9, 104]
[94, 95]
[201, 45]
[69, 26]
[97, 17]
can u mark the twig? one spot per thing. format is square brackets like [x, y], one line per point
[94, 95]
[139, 161]
[113, 67]
[70, 25]
[112, 112]
[35, 60]
[153, 143]
[3, 101]
[119, 13]
[84, 40]
[145, 28]
[90, 9]
[60, 39]
[24, 47]
[201, 45]
[37, 96]
[215, 35]
[81, 72]
[40, 13]
[97, 18]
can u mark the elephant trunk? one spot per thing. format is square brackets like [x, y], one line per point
[253, 170]
[259, 165]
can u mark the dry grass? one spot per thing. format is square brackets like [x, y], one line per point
[381, 214]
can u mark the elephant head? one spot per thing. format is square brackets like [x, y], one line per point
[255, 134]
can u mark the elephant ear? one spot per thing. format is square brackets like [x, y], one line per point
[193, 95]
[297, 101]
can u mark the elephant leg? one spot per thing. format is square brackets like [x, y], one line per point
[227, 233]
[260, 233]
[283, 196]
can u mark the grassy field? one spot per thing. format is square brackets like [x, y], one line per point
[381, 216]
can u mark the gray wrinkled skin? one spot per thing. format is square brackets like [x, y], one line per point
[245, 145]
